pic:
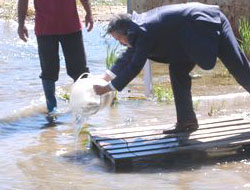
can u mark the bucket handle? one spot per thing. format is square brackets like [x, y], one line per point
[83, 74]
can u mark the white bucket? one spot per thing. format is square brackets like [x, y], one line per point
[84, 100]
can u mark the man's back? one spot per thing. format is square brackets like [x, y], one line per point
[164, 24]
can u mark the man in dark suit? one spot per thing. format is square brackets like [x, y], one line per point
[181, 35]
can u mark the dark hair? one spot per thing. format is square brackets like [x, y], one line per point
[119, 24]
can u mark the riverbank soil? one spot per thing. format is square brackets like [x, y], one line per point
[102, 10]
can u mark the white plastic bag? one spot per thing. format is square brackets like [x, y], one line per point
[84, 100]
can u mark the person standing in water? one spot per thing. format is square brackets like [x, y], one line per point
[57, 22]
[182, 35]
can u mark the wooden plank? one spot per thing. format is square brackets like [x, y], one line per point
[140, 143]
[196, 146]
[174, 148]
[110, 131]
[187, 142]
[145, 142]
[148, 134]
[158, 129]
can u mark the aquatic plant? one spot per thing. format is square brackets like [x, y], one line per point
[222, 73]
[216, 109]
[196, 104]
[163, 93]
[111, 56]
[85, 134]
[110, 61]
[63, 93]
[65, 96]
[244, 31]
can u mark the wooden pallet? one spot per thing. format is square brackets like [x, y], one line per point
[126, 144]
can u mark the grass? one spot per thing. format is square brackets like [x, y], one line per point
[111, 56]
[244, 31]
[163, 93]
[8, 9]
[84, 135]
[109, 2]
[216, 109]
[196, 105]
[223, 73]
[63, 93]
[65, 96]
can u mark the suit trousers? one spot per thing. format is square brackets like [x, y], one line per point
[204, 42]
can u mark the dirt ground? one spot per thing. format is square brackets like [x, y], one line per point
[101, 12]
[104, 13]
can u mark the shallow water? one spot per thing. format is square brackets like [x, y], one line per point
[35, 155]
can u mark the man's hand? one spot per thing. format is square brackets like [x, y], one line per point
[22, 8]
[100, 90]
[89, 22]
[88, 18]
[23, 33]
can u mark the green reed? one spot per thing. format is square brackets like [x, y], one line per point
[244, 31]
[163, 93]
[111, 56]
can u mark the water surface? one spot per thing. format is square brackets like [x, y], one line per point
[35, 155]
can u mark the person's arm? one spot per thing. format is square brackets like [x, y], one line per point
[22, 11]
[88, 18]
[127, 72]
[123, 60]
[132, 69]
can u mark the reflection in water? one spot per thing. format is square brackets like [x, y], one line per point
[35, 155]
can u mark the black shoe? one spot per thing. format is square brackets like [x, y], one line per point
[187, 127]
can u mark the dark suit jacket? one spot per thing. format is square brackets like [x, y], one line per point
[174, 34]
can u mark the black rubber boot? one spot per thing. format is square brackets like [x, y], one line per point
[49, 91]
